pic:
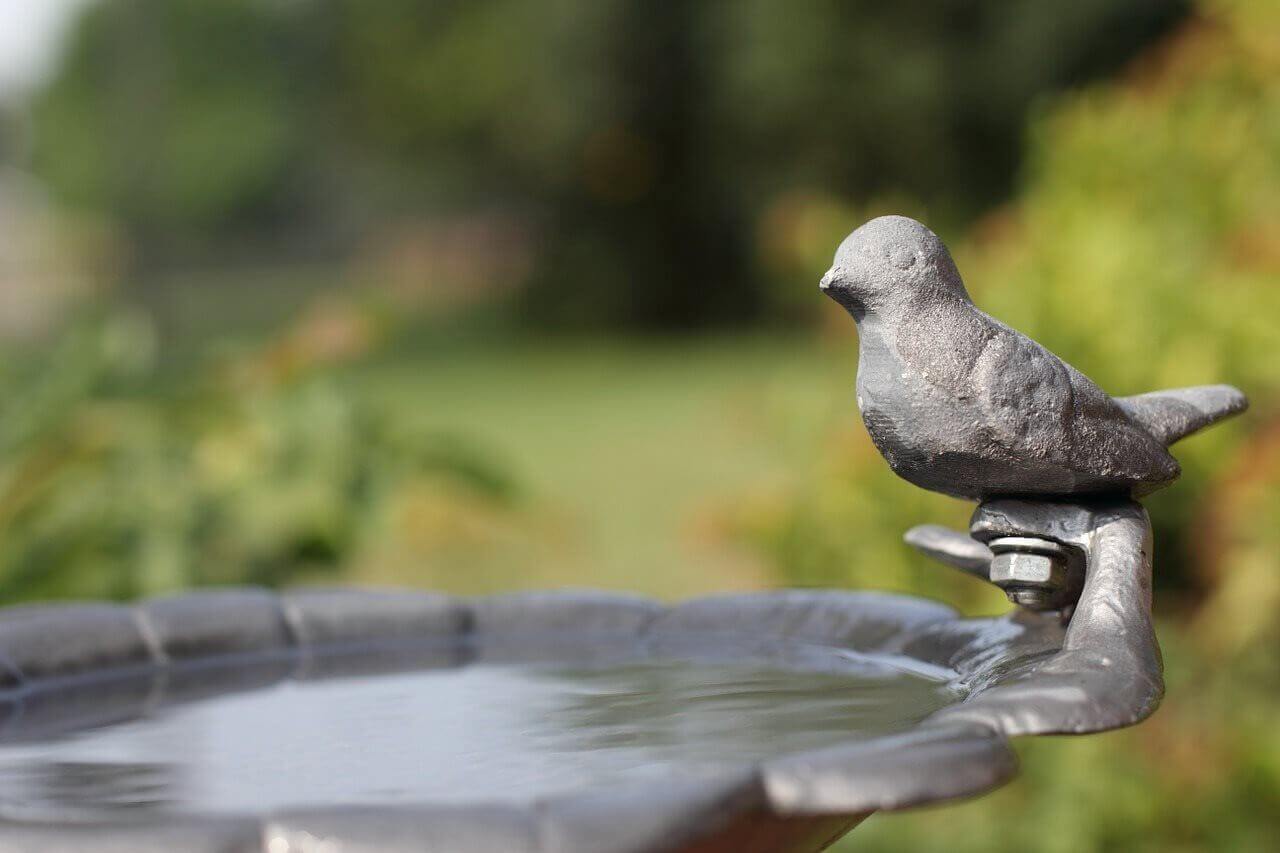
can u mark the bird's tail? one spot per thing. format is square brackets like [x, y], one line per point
[1176, 413]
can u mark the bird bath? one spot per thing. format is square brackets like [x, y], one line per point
[568, 721]
[345, 719]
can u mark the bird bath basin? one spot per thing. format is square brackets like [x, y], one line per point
[357, 720]
[495, 732]
[569, 721]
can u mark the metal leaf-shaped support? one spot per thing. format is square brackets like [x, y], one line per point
[1108, 670]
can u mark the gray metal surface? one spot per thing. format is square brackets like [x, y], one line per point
[955, 401]
[959, 403]
[1025, 673]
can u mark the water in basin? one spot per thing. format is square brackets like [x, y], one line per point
[474, 733]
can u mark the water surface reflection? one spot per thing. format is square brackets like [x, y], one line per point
[482, 732]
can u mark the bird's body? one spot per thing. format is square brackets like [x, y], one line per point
[959, 403]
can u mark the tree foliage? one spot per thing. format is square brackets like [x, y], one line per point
[639, 141]
[262, 470]
[1141, 250]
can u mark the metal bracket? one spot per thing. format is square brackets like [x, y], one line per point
[1110, 650]
[1109, 654]
[1041, 553]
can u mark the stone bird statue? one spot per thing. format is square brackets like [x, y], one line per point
[959, 403]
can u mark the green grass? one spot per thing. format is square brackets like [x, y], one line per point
[631, 455]
[628, 452]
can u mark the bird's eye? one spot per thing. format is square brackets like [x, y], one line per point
[903, 258]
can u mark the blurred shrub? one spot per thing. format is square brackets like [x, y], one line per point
[258, 473]
[1143, 251]
[182, 119]
[1144, 247]
[1202, 774]
[636, 140]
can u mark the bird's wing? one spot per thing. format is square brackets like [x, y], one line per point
[1037, 404]
[1025, 392]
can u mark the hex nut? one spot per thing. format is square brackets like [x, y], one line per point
[1032, 572]
[1018, 569]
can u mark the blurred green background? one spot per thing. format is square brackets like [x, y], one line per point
[493, 294]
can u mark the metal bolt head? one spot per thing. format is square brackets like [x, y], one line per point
[1032, 572]
[1017, 569]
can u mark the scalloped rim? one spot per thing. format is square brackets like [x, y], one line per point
[1019, 681]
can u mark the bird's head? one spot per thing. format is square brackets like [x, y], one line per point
[886, 262]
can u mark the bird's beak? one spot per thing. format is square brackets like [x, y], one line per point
[838, 289]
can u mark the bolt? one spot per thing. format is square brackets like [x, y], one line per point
[1031, 571]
